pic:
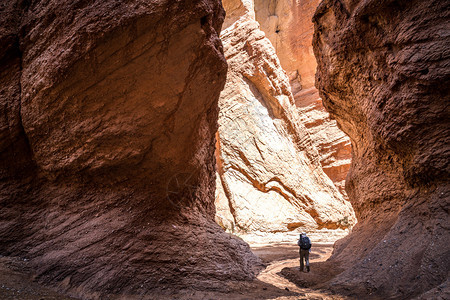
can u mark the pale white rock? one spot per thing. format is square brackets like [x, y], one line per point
[333, 145]
[287, 24]
[269, 174]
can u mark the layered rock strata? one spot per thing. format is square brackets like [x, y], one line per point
[383, 72]
[288, 25]
[269, 174]
[109, 111]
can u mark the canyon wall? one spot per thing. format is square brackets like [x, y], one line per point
[384, 74]
[108, 116]
[287, 24]
[269, 174]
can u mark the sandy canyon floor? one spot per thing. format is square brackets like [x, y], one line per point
[16, 279]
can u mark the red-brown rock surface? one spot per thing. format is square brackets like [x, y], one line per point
[108, 116]
[383, 72]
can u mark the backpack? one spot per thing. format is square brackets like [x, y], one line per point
[304, 243]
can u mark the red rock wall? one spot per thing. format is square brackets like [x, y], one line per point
[109, 111]
[383, 72]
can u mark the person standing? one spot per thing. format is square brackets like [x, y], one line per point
[305, 248]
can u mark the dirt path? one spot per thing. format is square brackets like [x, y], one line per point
[284, 254]
[16, 280]
[269, 275]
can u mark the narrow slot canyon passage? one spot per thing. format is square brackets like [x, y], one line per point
[161, 149]
[281, 161]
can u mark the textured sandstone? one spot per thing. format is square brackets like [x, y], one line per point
[384, 74]
[287, 24]
[108, 116]
[269, 174]
[289, 27]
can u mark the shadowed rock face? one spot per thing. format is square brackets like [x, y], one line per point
[269, 176]
[109, 111]
[383, 72]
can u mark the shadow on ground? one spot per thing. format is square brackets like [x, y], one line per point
[280, 280]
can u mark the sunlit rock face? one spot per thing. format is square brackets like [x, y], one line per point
[269, 173]
[383, 72]
[109, 112]
[288, 26]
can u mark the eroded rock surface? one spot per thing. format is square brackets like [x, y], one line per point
[287, 24]
[108, 116]
[384, 71]
[269, 174]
